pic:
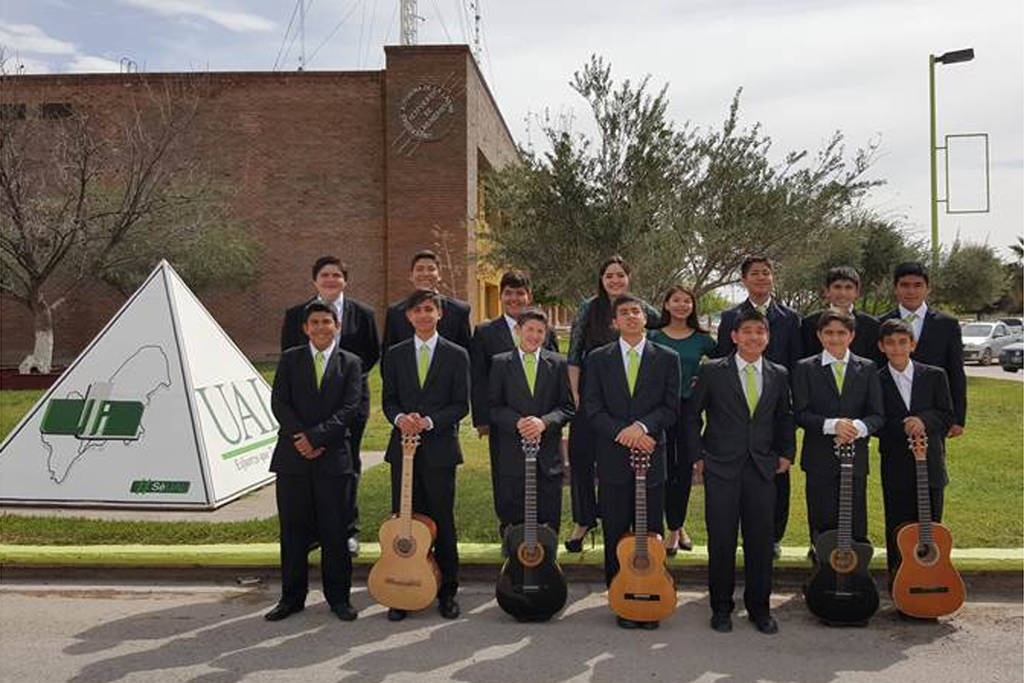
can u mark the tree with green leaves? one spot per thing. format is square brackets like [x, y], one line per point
[971, 278]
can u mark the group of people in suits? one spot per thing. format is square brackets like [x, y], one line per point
[635, 378]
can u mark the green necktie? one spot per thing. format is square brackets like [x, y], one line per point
[840, 367]
[530, 366]
[632, 368]
[751, 386]
[318, 365]
[423, 364]
[762, 309]
[515, 339]
[909, 319]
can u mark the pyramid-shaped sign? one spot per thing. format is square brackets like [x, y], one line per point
[161, 409]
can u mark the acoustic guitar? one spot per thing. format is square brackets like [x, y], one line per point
[926, 584]
[406, 576]
[643, 589]
[531, 586]
[841, 591]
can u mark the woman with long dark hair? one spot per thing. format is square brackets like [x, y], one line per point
[681, 331]
[591, 328]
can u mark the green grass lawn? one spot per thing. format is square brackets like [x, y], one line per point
[983, 500]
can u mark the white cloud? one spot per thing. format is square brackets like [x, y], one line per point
[31, 38]
[240, 22]
[24, 65]
[92, 64]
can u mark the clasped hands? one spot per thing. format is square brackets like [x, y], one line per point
[635, 438]
[531, 428]
[846, 431]
[412, 424]
[305, 448]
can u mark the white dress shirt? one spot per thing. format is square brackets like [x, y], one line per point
[904, 381]
[418, 344]
[918, 321]
[830, 423]
[327, 352]
[758, 375]
[512, 324]
[767, 303]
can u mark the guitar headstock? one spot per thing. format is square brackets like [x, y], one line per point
[844, 452]
[639, 461]
[918, 446]
[531, 447]
[410, 442]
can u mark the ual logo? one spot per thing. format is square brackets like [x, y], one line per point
[95, 417]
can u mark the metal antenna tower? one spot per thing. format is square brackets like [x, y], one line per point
[410, 22]
[302, 34]
[477, 53]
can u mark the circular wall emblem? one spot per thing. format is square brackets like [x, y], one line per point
[427, 112]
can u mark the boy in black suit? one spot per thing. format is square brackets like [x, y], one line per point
[917, 401]
[426, 392]
[784, 348]
[837, 398]
[631, 395]
[490, 338]
[938, 338]
[842, 289]
[529, 399]
[748, 439]
[425, 273]
[315, 398]
[359, 335]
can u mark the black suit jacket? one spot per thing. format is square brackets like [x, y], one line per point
[510, 399]
[815, 399]
[489, 339]
[323, 414]
[453, 326]
[929, 400]
[609, 407]
[731, 434]
[784, 345]
[942, 345]
[865, 340]
[444, 398]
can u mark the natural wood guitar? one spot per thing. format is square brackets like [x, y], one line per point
[531, 586]
[406, 575]
[926, 584]
[842, 592]
[643, 589]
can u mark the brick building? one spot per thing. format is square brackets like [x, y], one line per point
[368, 165]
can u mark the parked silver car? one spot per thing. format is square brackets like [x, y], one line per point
[984, 340]
[1012, 357]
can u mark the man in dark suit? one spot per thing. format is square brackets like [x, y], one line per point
[917, 402]
[748, 439]
[426, 392]
[529, 399]
[784, 348]
[631, 394]
[315, 398]
[490, 338]
[454, 326]
[837, 398]
[842, 289]
[359, 336]
[939, 342]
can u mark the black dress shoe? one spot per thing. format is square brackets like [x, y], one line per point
[283, 610]
[395, 614]
[344, 611]
[765, 623]
[575, 545]
[626, 623]
[448, 608]
[721, 622]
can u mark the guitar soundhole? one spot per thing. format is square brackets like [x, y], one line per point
[530, 556]
[405, 547]
[641, 564]
[843, 561]
[927, 554]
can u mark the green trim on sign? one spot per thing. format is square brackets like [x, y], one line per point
[227, 455]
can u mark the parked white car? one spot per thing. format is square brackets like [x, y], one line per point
[983, 341]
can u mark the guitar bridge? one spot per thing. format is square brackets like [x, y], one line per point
[928, 590]
[643, 597]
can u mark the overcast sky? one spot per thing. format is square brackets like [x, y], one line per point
[807, 67]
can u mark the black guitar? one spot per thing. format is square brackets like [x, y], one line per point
[531, 586]
[842, 592]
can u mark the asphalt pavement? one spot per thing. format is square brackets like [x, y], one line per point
[99, 632]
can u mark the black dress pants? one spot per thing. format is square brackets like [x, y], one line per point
[823, 505]
[618, 507]
[433, 495]
[512, 504]
[582, 468]
[679, 478]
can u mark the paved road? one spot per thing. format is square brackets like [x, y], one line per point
[216, 634]
[994, 372]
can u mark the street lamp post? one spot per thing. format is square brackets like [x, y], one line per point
[946, 58]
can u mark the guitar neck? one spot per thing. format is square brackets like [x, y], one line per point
[640, 525]
[845, 531]
[530, 512]
[405, 507]
[924, 501]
